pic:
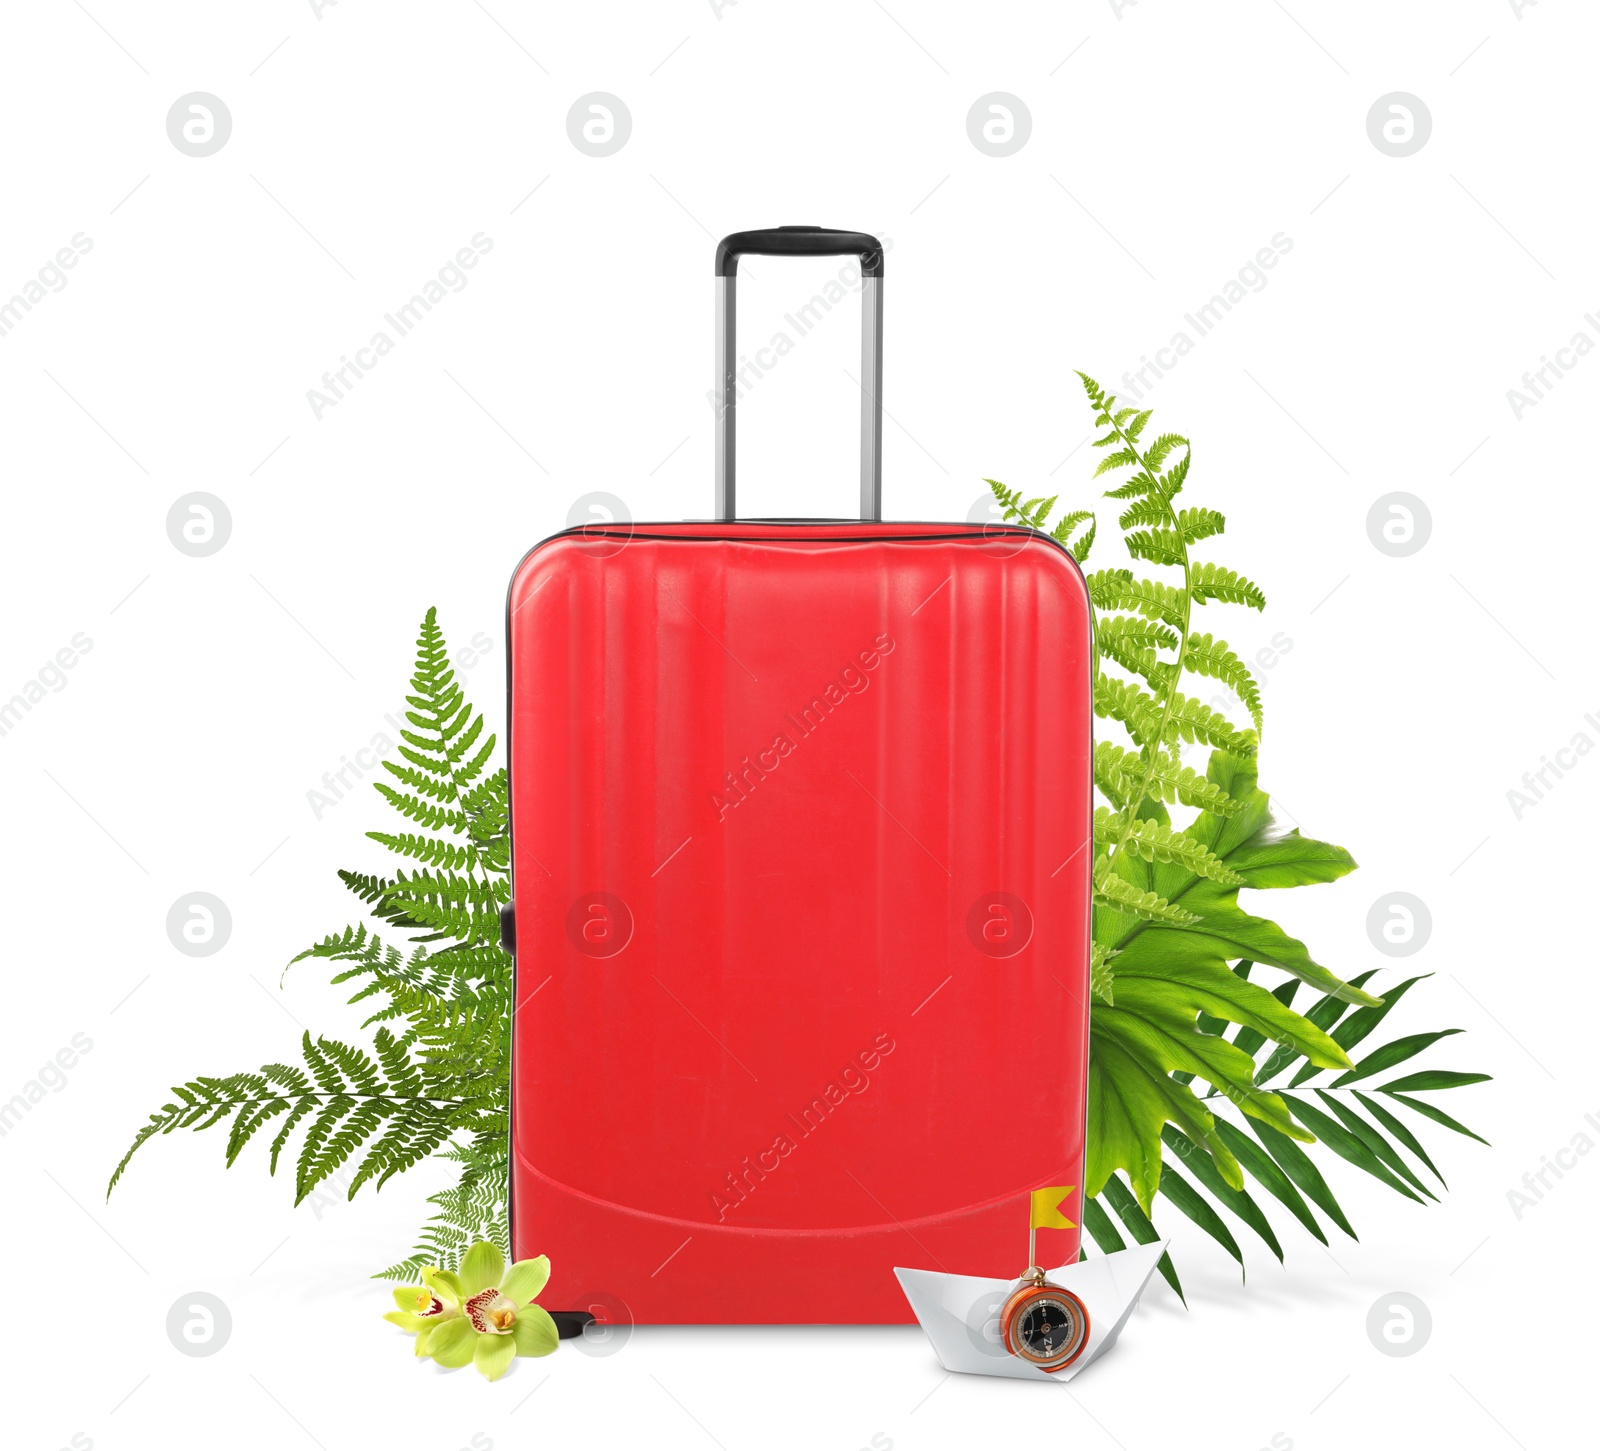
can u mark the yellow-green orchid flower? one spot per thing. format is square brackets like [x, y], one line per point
[424, 1308]
[484, 1312]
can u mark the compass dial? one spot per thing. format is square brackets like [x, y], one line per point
[1046, 1326]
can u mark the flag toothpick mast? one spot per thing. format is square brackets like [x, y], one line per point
[1044, 1212]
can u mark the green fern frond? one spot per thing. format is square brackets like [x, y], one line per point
[1206, 656]
[1145, 511]
[344, 1093]
[1159, 546]
[429, 849]
[1133, 642]
[1101, 975]
[1156, 842]
[1136, 486]
[1122, 896]
[1197, 524]
[1199, 724]
[1119, 772]
[438, 1068]
[473, 1209]
[1118, 460]
[1065, 526]
[424, 813]
[1117, 589]
[1213, 582]
[1159, 1018]
[436, 788]
[1137, 712]
[1138, 632]
[1147, 719]
[464, 908]
[1014, 508]
[1162, 447]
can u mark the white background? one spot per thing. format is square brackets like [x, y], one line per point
[1168, 144]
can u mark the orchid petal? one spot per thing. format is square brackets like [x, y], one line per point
[452, 1343]
[493, 1355]
[481, 1267]
[413, 1299]
[535, 1332]
[525, 1279]
[444, 1284]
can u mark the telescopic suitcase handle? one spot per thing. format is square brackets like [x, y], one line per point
[803, 242]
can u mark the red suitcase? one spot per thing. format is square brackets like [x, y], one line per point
[800, 818]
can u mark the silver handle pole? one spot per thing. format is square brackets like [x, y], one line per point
[726, 391]
[726, 387]
[872, 399]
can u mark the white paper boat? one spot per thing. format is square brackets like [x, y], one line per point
[961, 1313]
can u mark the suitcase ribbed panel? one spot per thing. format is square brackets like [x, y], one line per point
[785, 767]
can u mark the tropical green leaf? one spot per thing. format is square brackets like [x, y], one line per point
[1437, 1114]
[1139, 1226]
[1184, 969]
[1346, 1144]
[1324, 1013]
[1290, 860]
[1393, 1053]
[1261, 1167]
[1236, 1200]
[1398, 1128]
[1297, 1164]
[1098, 1223]
[1373, 1140]
[1431, 1079]
[1131, 1096]
[1361, 1022]
[1182, 1193]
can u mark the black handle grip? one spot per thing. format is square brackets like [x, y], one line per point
[799, 242]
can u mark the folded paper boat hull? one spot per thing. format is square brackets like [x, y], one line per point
[960, 1313]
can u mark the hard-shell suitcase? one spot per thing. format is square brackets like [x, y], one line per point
[801, 830]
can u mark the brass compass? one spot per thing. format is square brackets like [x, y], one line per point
[1043, 1324]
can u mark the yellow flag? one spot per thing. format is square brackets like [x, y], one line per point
[1045, 1211]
